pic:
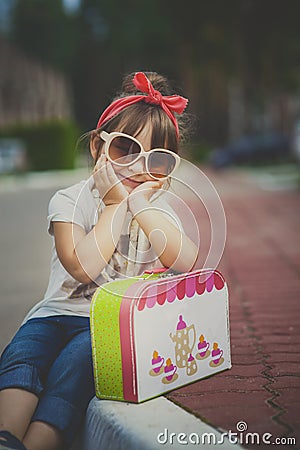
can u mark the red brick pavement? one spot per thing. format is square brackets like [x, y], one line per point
[261, 264]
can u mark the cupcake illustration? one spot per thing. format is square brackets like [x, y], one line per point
[170, 372]
[216, 355]
[203, 347]
[157, 364]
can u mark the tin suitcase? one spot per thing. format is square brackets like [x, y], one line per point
[154, 333]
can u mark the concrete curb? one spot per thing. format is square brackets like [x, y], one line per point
[155, 424]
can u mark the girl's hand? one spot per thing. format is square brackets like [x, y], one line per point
[110, 188]
[139, 198]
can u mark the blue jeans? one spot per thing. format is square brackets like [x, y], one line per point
[52, 358]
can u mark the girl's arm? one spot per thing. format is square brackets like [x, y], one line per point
[172, 246]
[83, 255]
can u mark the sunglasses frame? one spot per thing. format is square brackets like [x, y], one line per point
[108, 137]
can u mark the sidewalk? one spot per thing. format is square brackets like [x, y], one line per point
[261, 264]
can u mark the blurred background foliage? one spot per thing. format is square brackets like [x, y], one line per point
[238, 61]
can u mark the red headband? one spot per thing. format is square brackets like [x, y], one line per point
[170, 104]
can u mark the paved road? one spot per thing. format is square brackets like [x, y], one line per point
[25, 246]
[24, 258]
[261, 264]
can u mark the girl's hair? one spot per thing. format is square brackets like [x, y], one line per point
[135, 117]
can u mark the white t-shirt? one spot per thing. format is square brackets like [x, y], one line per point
[80, 204]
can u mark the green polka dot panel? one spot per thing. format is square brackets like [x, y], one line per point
[105, 330]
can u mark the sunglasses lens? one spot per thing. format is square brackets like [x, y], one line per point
[161, 164]
[123, 149]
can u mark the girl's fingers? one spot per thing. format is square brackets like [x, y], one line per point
[107, 178]
[112, 174]
[97, 165]
[100, 172]
[100, 162]
[101, 166]
[157, 184]
[151, 185]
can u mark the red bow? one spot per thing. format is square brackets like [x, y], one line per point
[170, 104]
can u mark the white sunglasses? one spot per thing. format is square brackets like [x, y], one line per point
[123, 150]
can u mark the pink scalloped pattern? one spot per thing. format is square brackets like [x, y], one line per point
[170, 290]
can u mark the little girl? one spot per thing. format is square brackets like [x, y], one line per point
[116, 224]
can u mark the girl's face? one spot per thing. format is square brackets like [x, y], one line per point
[135, 174]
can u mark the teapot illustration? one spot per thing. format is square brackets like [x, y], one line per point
[185, 342]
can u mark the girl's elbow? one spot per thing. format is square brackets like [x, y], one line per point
[78, 272]
[87, 275]
[82, 270]
[81, 276]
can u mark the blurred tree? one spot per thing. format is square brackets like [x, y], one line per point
[44, 31]
[202, 46]
[269, 44]
[117, 38]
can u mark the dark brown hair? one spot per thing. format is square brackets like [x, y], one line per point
[134, 118]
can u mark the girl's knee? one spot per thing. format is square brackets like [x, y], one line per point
[74, 363]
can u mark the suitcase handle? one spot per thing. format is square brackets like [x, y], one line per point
[159, 270]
